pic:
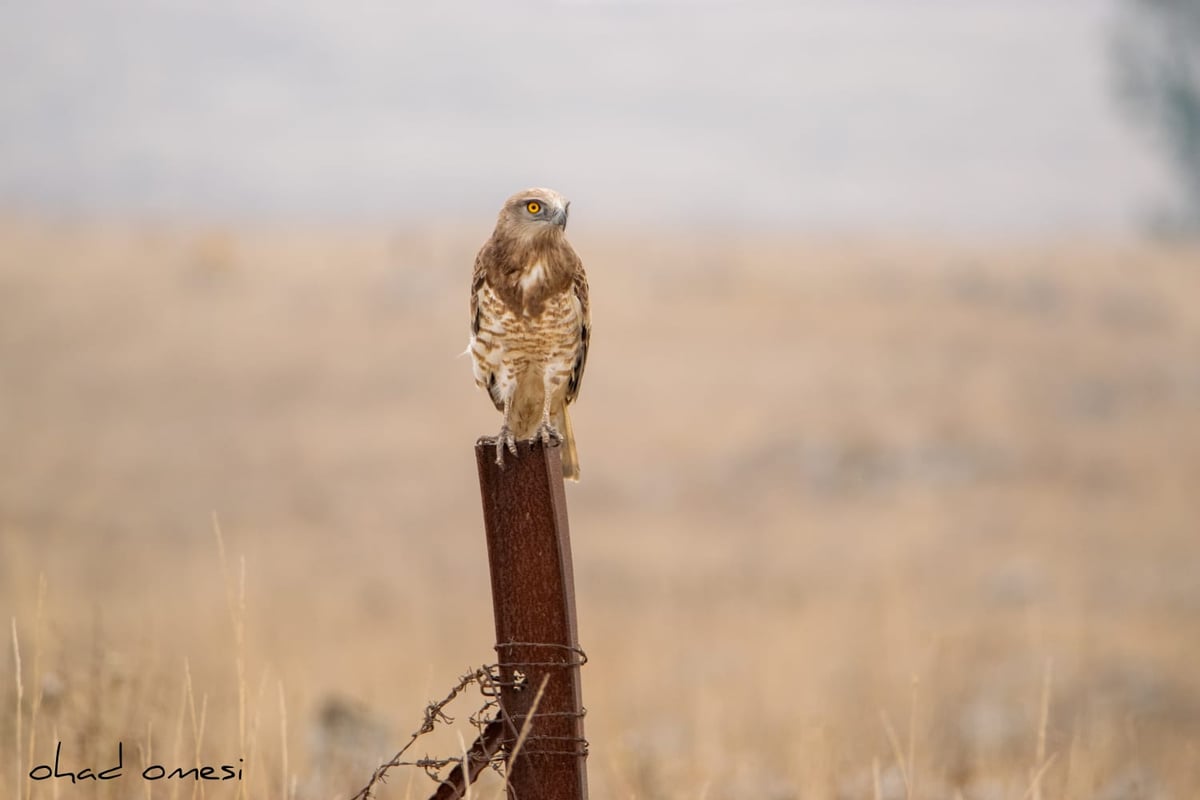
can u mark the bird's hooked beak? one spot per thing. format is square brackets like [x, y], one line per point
[560, 215]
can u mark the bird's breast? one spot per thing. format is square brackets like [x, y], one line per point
[532, 277]
[554, 329]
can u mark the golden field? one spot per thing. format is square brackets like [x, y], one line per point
[858, 518]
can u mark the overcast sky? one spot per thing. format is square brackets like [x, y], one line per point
[915, 115]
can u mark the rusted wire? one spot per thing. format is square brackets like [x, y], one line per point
[579, 660]
[434, 713]
[488, 679]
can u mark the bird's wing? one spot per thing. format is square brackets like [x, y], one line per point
[580, 288]
[485, 375]
[476, 285]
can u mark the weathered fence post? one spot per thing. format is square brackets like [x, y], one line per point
[533, 595]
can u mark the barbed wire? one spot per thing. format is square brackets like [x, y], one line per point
[435, 713]
[491, 680]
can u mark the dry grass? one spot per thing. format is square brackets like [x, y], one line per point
[858, 520]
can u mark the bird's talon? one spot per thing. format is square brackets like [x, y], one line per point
[548, 435]
[504, 439]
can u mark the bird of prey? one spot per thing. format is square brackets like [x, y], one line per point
[530, 323]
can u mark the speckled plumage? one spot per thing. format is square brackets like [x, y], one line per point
[530, 322]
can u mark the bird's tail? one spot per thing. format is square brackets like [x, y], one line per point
[570, 458]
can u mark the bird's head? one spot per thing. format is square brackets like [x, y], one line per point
[534, 213]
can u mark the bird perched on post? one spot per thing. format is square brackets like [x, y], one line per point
[530, 323]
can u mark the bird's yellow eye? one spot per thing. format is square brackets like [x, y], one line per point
[533, 206]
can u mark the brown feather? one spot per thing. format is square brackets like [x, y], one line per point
[521, 318]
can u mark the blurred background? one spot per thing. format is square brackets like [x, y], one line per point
[890, 434]
[923, 115]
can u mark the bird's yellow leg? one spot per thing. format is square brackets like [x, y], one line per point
[546, 431]
[505, 437]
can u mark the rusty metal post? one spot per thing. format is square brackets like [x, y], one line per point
[533, 595]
